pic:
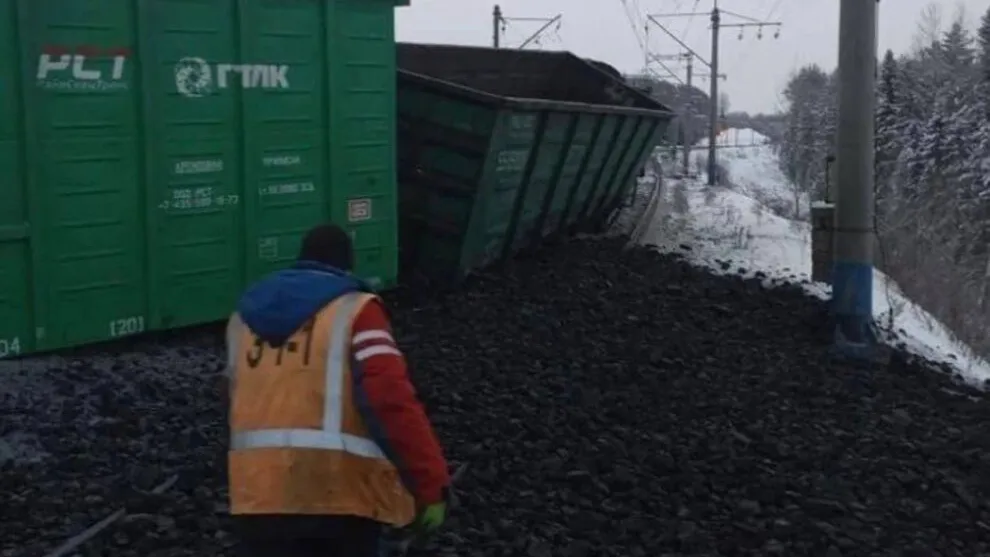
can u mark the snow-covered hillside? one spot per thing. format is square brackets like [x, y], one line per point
[742, 223]
[754, 171]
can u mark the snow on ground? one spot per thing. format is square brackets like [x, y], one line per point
[742, 224]
[754, 171]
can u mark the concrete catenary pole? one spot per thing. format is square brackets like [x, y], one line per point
[852, 294]
[713, 93]
[496, 23]
[688, 114]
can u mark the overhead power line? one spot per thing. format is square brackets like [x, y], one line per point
[716, 27]
[644, 45]
[499, 23]
[743, 53]
[740, 16]
[687, 26]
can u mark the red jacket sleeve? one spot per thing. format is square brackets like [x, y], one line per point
[395, 406]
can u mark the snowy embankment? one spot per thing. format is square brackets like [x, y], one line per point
[745, 224]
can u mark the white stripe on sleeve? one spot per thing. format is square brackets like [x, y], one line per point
[374, 334]
[377, 350]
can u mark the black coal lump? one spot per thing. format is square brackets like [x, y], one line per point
[609, 402]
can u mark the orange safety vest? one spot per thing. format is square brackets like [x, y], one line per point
[297, 442]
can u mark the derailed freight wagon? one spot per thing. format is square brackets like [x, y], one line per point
[501, 148]
[157, 155]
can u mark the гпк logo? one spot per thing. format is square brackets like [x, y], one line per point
[195, 77]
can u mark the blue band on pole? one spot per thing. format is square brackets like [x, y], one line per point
[852, 289]
[852, 308]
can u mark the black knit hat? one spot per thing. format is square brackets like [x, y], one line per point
[330, 245]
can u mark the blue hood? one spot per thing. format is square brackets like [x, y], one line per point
[277, 305]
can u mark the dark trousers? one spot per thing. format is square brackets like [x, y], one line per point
[308, 536]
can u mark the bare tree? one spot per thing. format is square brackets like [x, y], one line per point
[929, 28]
[961, 15]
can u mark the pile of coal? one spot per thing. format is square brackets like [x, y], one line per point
[609, 402]
[92, 432]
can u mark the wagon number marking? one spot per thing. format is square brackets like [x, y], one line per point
[10, 347]
[127, 326]
[358, 210]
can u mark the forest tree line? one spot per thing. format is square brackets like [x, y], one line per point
[932, 165]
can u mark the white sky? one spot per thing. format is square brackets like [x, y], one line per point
[600, 29]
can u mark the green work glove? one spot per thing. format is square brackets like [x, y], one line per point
[431, 518]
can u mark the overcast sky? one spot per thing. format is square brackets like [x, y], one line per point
[757, 69]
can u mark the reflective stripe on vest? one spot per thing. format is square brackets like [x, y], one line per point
[331, 436]
[305, 439]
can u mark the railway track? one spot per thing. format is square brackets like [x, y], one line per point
[633, 218]
[644, 220]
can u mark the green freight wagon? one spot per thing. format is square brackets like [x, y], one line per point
[157, 155]
[499, 149]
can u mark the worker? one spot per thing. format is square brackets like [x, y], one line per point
[328, 440]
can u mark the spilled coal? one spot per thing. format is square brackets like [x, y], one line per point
[609, 403]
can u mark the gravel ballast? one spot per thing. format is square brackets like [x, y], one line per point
[608, 402]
